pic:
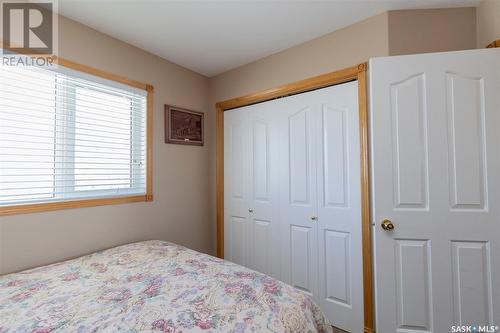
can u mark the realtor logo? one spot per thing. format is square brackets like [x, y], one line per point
[28, 27]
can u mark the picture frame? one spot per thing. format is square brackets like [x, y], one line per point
[183, 126]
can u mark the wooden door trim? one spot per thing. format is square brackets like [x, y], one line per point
[344, 75]
[495, 43]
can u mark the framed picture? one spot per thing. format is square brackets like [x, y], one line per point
[183, 126]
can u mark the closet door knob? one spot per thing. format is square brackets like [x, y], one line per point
[250, 210]
[314, 218]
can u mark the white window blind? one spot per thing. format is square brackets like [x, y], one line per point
[67, 135]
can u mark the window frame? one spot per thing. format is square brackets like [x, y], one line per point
[80, 203]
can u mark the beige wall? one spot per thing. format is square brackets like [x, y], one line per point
[488, 22]
[181, 209]
[431, 30]
[342, 48]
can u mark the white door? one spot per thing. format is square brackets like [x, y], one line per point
[264, 185]
[435, 122]
[251, 188]
[298, 211]
[340, 291]
[237, 224]
[320, 200]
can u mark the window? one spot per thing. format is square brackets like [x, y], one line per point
[67, 135]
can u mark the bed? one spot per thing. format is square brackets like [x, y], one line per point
[152, 286]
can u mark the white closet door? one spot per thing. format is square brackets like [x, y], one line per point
[237, 223]
[251, 159]
[292, 201]
[339, 206]
[299, 237]
[435, 158]
[264, 185]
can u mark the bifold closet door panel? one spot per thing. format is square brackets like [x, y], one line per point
[251, 159]
[237, 224]
[339, 206]
[298, 123]
[264, 188]
[292, 196]
[320, 204]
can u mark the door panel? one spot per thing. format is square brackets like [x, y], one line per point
[320, 156]
[472, 282]
[434, 136]
[413, 284]
[264, 203]
[409, 132]
[237, 161]
[339, 206]
[465, 108]
[261, 167]
[299, 173]
[251, 181]
[238, 243]
[297, 198]
[338, 267]
[301, 246]
[262, 245]
[334, 159]
[236, 188]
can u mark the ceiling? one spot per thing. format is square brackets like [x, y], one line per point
[211, 37]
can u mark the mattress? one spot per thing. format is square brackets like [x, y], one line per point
[152, 286]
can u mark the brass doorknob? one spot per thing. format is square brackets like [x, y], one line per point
[387, 225]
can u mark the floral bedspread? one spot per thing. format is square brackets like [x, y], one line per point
[152, 286]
